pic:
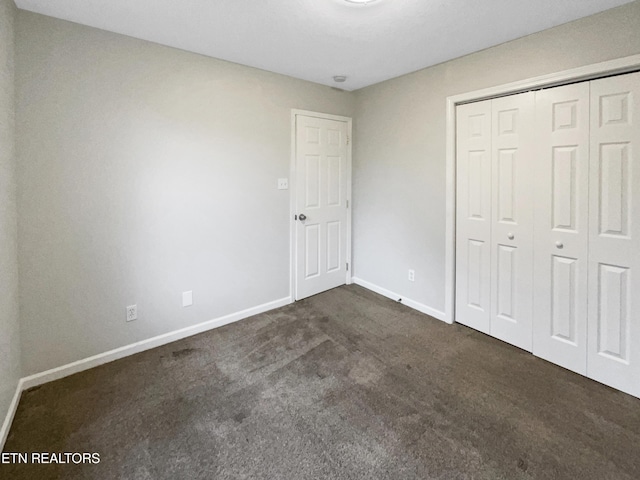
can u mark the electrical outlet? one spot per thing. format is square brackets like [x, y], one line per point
[412, 275]
[132, 313]
[187, 298]
[283, 184]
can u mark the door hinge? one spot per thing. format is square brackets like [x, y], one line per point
[348, 139]
[347, 203]
[295, 217]
[347, 267]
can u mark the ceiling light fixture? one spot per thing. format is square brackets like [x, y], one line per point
[360, 2]
[339, 78]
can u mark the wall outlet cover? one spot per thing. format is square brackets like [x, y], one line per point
[132, 313]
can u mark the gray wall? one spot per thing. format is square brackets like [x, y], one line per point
[145, 171]
[399, 147]
[9, 331]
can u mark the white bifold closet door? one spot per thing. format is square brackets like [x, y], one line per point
[548, 225]
[561, 226]
[473, 217]
[495, 218]
[614, 233]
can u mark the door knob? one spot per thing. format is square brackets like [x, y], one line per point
[559, 244]
[510, 236]
[302, 217]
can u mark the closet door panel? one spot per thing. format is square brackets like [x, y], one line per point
[512, 219]
[614, 233]
[561, 214]
[473, 215]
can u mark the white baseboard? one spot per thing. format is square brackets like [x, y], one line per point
[141, 346]
[13, 406]
[435, 313]
[137, 347]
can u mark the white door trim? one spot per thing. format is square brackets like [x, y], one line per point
[588, 72]
[293, 188]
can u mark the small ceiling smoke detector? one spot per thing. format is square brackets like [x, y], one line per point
[339, 78]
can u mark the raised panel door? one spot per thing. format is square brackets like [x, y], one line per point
[512, 219]
[614, 233]
[561, 225]
[473, 216]
[321, 162]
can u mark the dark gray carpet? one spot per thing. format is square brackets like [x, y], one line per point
[343, 385]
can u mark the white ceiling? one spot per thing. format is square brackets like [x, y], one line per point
[317, 39]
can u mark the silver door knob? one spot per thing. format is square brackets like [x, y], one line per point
[302, 217]
[510, 236]
[559, 244]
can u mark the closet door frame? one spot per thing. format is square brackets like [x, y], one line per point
[586, 73]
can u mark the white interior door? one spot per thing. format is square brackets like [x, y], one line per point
[473, 216]
[494, 217]
[321, 165]
[512, 218]
[548, 225]
[614, 233]
[561, 225]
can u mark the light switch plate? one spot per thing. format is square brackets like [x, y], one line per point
[283, 184]
[187, 298]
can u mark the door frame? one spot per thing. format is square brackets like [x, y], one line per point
[580, 74]
[293, 192]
